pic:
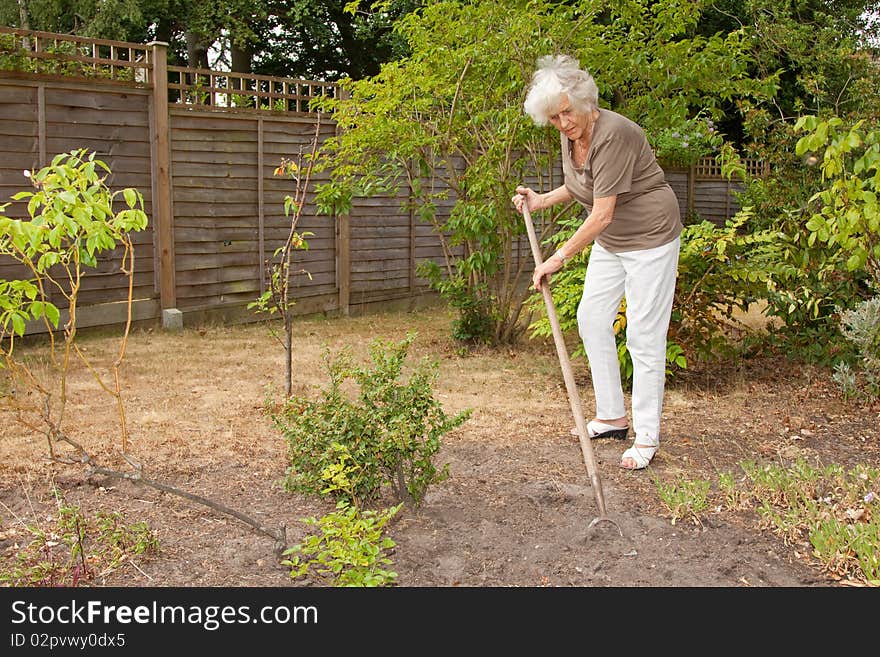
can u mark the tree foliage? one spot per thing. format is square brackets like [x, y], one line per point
[846, 214]
[295, 38]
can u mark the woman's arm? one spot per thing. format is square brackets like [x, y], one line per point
[594, 224]
[597, 221]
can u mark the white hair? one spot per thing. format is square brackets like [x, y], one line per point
[558, 76]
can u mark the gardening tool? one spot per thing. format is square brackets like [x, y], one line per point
[568, 375]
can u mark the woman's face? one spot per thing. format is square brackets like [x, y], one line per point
[568, 121]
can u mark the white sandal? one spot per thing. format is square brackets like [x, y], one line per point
[641, 456]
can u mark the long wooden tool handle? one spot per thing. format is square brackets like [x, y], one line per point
[567, 373]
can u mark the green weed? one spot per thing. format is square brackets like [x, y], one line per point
[70, 548]
[831, 508]
[684, 498]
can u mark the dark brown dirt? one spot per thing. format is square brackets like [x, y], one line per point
[517, 507]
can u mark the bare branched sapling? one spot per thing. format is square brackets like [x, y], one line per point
[277, 298]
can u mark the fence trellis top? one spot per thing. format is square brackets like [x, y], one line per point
[247, 91]
[70, 56]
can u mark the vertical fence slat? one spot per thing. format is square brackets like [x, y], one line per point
[261, 221]
[41, 124]
[343, 247]
[160, 141]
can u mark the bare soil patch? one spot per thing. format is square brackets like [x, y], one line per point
[516, 508]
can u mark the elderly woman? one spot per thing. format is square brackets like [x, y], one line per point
[634, 223]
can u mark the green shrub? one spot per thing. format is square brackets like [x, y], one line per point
[821, 235]
[351, 548]
[390, 428]
[861, 326]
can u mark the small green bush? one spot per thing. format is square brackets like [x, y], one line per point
[390, 428]
[861, 326]
[352, 547]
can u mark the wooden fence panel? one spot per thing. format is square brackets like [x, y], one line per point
[224, 231]
[704, 196]
[380, 249]
[51, 118]
[215, 206]
[20, 142]
[19, 150]
[290, 137]
[113, 124]
[714, 200]
[427, 243]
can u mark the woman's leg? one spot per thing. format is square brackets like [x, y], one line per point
[650, 288]
[603, 290]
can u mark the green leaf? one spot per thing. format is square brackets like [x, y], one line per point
[130, 197]
[52, 314]
[18, 323]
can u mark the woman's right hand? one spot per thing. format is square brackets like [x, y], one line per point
[527, 196]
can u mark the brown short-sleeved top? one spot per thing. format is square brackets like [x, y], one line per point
[620, 161]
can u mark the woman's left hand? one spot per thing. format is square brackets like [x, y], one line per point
[542, 273]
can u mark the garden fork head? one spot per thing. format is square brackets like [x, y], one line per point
[595, 521]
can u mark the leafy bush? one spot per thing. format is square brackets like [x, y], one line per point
[721, 270]
[847, 215]
[861, 326]
[810, 280]
[391, 429]
[351, 547]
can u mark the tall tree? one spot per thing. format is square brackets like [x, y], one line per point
[330, 39]
[819, 50]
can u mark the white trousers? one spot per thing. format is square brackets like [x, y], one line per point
[647, 279]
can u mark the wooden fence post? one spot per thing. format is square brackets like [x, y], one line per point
[343, 250]
[343, 262]
[691, 190]
[261, 211]
[412, 247]
[160, 147]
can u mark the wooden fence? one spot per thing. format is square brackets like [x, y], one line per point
[202, 146]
